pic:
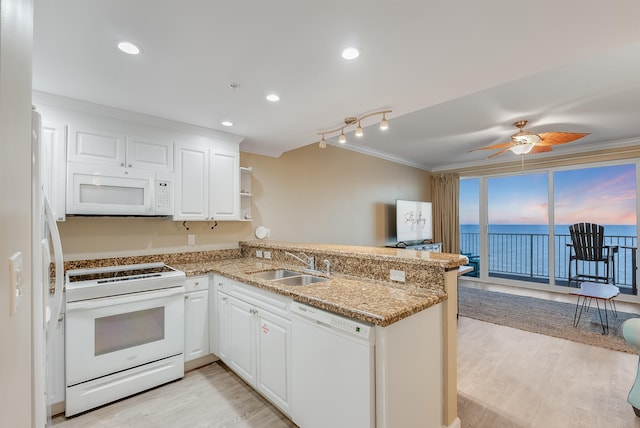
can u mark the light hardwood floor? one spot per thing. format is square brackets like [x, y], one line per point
[212, 396]
[507, 378]
[512, 378]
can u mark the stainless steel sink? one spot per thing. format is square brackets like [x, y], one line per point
[271, 275]
[301, 280]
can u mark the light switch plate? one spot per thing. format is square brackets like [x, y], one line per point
[16, 282]
[191, 239]
[397, 275]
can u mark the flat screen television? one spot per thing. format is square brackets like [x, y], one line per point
[413, 221]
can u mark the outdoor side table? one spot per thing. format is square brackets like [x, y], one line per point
[600, 292]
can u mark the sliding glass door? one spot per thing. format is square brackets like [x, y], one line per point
[518, 227]
[470, 223]
[605, 196]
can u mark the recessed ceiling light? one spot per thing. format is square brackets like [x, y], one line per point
[350, 53]
[227, 123]
[128, 47]
[273, 98]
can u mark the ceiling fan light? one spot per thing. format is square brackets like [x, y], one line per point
[526, 137]
[522, 148]
[359, 132]
[342, 139]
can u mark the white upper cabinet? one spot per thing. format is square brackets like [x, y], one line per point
[149, 154]
[202, 165]
[96, 146]
[224, 201]
[191, 200]
[115, 148]
[207, 182]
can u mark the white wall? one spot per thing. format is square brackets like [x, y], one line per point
[16, 30]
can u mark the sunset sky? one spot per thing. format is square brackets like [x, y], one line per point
[603, 195]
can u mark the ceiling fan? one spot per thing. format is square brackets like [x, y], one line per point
[525, 142]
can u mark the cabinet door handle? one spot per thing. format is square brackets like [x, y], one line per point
[220, 285]
[224, 299]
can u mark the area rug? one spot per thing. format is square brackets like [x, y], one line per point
[543, 317]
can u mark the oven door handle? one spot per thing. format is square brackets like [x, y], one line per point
[127, 298]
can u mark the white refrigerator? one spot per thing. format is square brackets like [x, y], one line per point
[46, 305]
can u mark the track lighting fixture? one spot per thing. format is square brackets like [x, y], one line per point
[384, 125]
[323, 144]
[342, 139]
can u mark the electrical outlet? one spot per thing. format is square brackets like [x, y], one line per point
[258, 253]
[397, 275]
[267, 254]
[191, 239]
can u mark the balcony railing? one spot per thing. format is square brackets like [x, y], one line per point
[526, 257]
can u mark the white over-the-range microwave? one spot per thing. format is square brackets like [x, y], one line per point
[113, 191]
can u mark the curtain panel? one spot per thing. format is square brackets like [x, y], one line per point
[445, 190]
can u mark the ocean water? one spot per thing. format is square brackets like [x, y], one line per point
[525, 229]
[523, 249]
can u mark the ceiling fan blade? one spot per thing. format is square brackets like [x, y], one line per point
[553, 138]
[506, 149]
[539, 149]
[495, 146]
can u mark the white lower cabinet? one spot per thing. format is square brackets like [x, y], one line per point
[222, 325]
[242, 349]
[254, 338]
[273, 358]
[196, 318]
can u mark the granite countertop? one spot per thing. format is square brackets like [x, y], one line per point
[446, 260]
[358, 288]
[377, 302]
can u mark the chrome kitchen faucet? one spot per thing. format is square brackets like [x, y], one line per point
[310, 262]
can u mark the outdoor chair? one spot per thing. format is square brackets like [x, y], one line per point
[587, 248]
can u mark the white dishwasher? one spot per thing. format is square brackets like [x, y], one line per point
[333, 373]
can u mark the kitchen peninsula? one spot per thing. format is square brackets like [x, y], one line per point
[413, 319]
